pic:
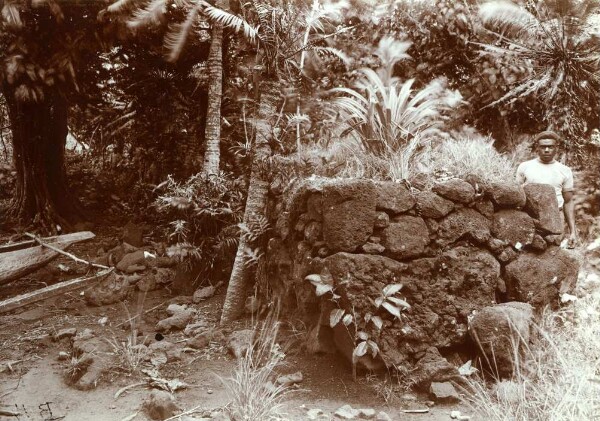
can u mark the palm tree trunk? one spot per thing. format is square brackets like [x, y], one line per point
[256, 204]
[215, 93]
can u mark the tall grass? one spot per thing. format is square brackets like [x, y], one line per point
[471, 156]
[252, 389]
[558, 378]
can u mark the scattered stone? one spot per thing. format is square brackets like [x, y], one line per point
[432, 367]
[444, 392]
[202, 294]
[196, 328]
[554, 239]
[63, 356]
[199, 341]
[239, 342]
[130, 259]
[169, 349]
[543, 205]
[393, 197]
[180, 317]
[147, 283]
[95, 359]
[160, 405]
[383, 416]
[290, 379]
[85, 334]
[135, 268]
[406, 237]
[497, 330]
[430, 205]
[315, 414]
[65, 333]
[110, 290]
[133, 234]
[366, 413]
[346, 412]
[456, 190]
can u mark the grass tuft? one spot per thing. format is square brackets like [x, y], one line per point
[254, 396]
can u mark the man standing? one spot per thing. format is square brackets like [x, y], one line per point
[546, 170]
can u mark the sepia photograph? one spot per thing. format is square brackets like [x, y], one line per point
[299, 210]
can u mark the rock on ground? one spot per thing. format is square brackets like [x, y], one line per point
[160, 405]
[112, 289]
[240, 342]
[497, 330]
[444, 392]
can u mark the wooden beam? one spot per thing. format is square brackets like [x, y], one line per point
[51, 291]
[17, 263]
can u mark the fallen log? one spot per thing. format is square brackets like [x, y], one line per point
[17, 263]
[51, 291]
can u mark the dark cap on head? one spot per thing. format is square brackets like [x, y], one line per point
[548, 134]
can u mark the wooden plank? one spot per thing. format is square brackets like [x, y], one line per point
[51, 291]
[17, 263]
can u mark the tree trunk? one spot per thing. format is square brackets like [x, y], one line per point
[39, 132]
[256, 204]
[215, 92]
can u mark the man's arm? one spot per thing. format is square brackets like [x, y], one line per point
[520, 176]
[569, 211]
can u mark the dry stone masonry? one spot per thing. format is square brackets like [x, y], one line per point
[457, 250]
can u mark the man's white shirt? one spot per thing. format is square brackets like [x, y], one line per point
[556, 174]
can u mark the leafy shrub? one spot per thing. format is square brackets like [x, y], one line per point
[203, 212]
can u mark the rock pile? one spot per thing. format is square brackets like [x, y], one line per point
[455, 251]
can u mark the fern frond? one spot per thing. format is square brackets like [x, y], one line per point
[230, 21]
[177, 35]
[152, 14]
[333, 52]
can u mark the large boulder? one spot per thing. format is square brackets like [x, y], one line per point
[513, 226]
[543, 206]
[393, 197]
[406, 237]
[430, 205]
[538, 278]
[456, 190]
[349, 212]
[501, 333]
[507, 195]
[464, 222]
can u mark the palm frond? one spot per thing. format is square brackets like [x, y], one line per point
[177, 35]
[230, 21]
[121, 6]
[343, 57]
[152, 14]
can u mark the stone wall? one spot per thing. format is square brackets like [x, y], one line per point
[455, 250]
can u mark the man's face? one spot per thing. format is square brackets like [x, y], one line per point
[546, 150]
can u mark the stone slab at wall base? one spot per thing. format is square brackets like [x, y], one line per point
[455, 250]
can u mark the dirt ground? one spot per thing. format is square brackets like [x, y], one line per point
[32, 376]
